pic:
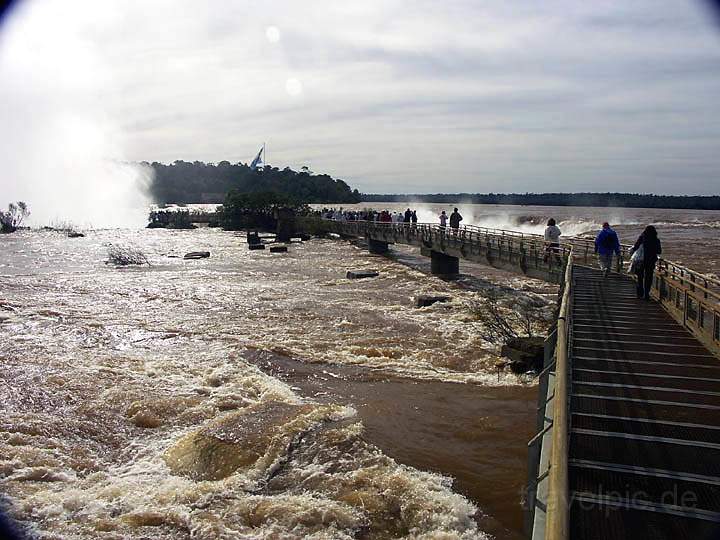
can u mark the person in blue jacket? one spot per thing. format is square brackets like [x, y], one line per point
[606, 244]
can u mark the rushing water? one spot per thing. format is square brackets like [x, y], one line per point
[260, 395]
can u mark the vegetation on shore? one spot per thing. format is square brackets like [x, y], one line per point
[13, 217]
[198, 182]
[243, 210]
[627, 200]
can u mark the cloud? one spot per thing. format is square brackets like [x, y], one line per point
[394, 95]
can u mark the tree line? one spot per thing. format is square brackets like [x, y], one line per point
[182, 182]
[627, 200]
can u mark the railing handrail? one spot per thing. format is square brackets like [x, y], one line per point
[558, 503]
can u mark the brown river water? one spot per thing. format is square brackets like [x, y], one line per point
[258, 395]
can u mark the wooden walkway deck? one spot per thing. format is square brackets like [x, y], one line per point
[644, 450]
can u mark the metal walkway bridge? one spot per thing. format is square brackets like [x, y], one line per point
[628, 442]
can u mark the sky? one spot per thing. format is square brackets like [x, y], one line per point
[392, 96]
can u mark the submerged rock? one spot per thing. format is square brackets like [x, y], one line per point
[154, 412]
[256, 246]
[361, 274]
[425, 300]
[237, 440]
[146, 419]
[197, 255]
[278, 249]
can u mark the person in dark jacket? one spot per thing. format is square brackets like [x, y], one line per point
[651, 249]
[455, 219]
[606, 244]
[408, 216]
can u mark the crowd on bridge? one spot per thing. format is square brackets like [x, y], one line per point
[386, 216]
[383, 216]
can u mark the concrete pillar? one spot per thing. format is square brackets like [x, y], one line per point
[377, 247]
[285, 224]
[441, 264]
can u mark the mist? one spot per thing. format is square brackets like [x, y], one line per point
[61, 152]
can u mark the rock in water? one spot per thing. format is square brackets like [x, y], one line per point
[425, 300]
[256, 246]
[278, 249]
[239, 439]
[361, 274]
[74, 234]
[197, 255]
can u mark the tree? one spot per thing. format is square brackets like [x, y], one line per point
[13, 218]
[511, 316]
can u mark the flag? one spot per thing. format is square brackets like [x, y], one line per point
[258, 162]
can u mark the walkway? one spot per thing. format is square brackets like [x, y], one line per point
[645, 419]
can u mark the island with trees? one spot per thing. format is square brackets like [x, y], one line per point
[182, 182]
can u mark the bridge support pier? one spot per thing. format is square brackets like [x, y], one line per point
[441, 264]
[377, 247]
[285, 224]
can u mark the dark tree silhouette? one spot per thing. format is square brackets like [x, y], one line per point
[13, 218]
[198, 182]
[628, 200]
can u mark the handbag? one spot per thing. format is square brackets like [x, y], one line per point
[636, 259]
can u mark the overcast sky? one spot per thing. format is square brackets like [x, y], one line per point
[392, 96]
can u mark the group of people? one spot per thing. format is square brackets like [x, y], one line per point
[383, 216]
[454, 219]
[386, 216]
[644, 252]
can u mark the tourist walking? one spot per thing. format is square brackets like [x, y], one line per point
[606, 244]
[649, 243]
[443, 219]
[552, 239]
[455, 219]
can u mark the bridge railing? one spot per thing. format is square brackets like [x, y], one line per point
[531, 244]
[692, 298]
[558, 503]
[527, 251]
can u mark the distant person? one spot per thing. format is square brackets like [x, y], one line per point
[413, 217]
[651, 248]
[552, 239]
[455, 219]
[606, 244]
[443, 219]
[408, 216]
